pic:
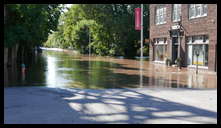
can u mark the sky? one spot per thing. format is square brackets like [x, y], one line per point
[67, 5]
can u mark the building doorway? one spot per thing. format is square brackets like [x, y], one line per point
[174, 49]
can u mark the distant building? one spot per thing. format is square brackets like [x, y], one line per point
[182, 30]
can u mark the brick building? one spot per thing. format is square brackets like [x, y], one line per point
[188, 31]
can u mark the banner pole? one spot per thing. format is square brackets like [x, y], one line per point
[141, 44]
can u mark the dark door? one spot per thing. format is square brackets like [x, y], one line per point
[174, 49]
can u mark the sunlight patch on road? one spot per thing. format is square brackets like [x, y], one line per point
[111, 101]
[172, 113]
[101, 108]
[108, 118]
[76, 106]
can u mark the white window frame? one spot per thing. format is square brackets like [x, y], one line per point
[160, 16]
[197, 41]
[160, 41]
[176, 12]
[194, 8]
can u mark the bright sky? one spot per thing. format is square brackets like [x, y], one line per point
[67, 5]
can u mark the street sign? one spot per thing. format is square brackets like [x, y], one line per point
[137, 18]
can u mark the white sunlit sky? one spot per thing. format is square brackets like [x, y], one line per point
[67, 5]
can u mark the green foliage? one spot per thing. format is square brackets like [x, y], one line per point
[29, 24]
[111, 28]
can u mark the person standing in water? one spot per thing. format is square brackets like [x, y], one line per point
[23, 67]
[23, 71]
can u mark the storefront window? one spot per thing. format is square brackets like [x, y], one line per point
[160, 49]
[198, 44]
[203, 54]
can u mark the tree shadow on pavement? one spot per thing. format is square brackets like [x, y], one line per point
[39, 105]
[130, 106]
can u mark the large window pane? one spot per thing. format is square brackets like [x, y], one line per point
[160, 52]
[176, 12]
[160, 49]
[200, 45]
[191, 11]
[165, 51]
[164, 15]
[189, 59]
[197, 10]
[161, 15]
[206, 55]
[203, 54]
[205, 9]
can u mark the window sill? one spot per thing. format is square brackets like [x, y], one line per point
[161, 23]
[201, 67]
[191, 18]
[198, 43]
[161, 44]
[175, 21]
[159, 62]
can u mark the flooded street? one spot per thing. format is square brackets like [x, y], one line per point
[70, 90]
[60, 69]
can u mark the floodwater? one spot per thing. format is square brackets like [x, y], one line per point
[60, 69]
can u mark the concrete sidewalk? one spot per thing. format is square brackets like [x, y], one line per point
[42, 105]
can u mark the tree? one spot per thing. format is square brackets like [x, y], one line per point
[111, 28]
[28, 25]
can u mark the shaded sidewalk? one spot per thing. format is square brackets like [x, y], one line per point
[141, 105]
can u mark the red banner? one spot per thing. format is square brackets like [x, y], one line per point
[137, 18]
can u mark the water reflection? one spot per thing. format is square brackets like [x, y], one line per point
[5, 76]
[141, 73]
[51, 72]
[59, 69]
[23, 76]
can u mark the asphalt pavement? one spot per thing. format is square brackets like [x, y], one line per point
[43, 105]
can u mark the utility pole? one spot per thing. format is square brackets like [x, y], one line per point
[141, 35]
[141, 48]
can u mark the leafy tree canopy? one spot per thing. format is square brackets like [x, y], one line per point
[111, 28]
[29, 24]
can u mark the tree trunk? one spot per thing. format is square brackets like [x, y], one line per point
[22, 54]
[16, 51]
[5, 56]
[19, 54]
[9, 61]
[13, 55]
[5, 74]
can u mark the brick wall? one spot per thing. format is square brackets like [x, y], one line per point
[198, 26]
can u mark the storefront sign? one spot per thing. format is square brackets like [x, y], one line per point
[137, 18]
[175, 27]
